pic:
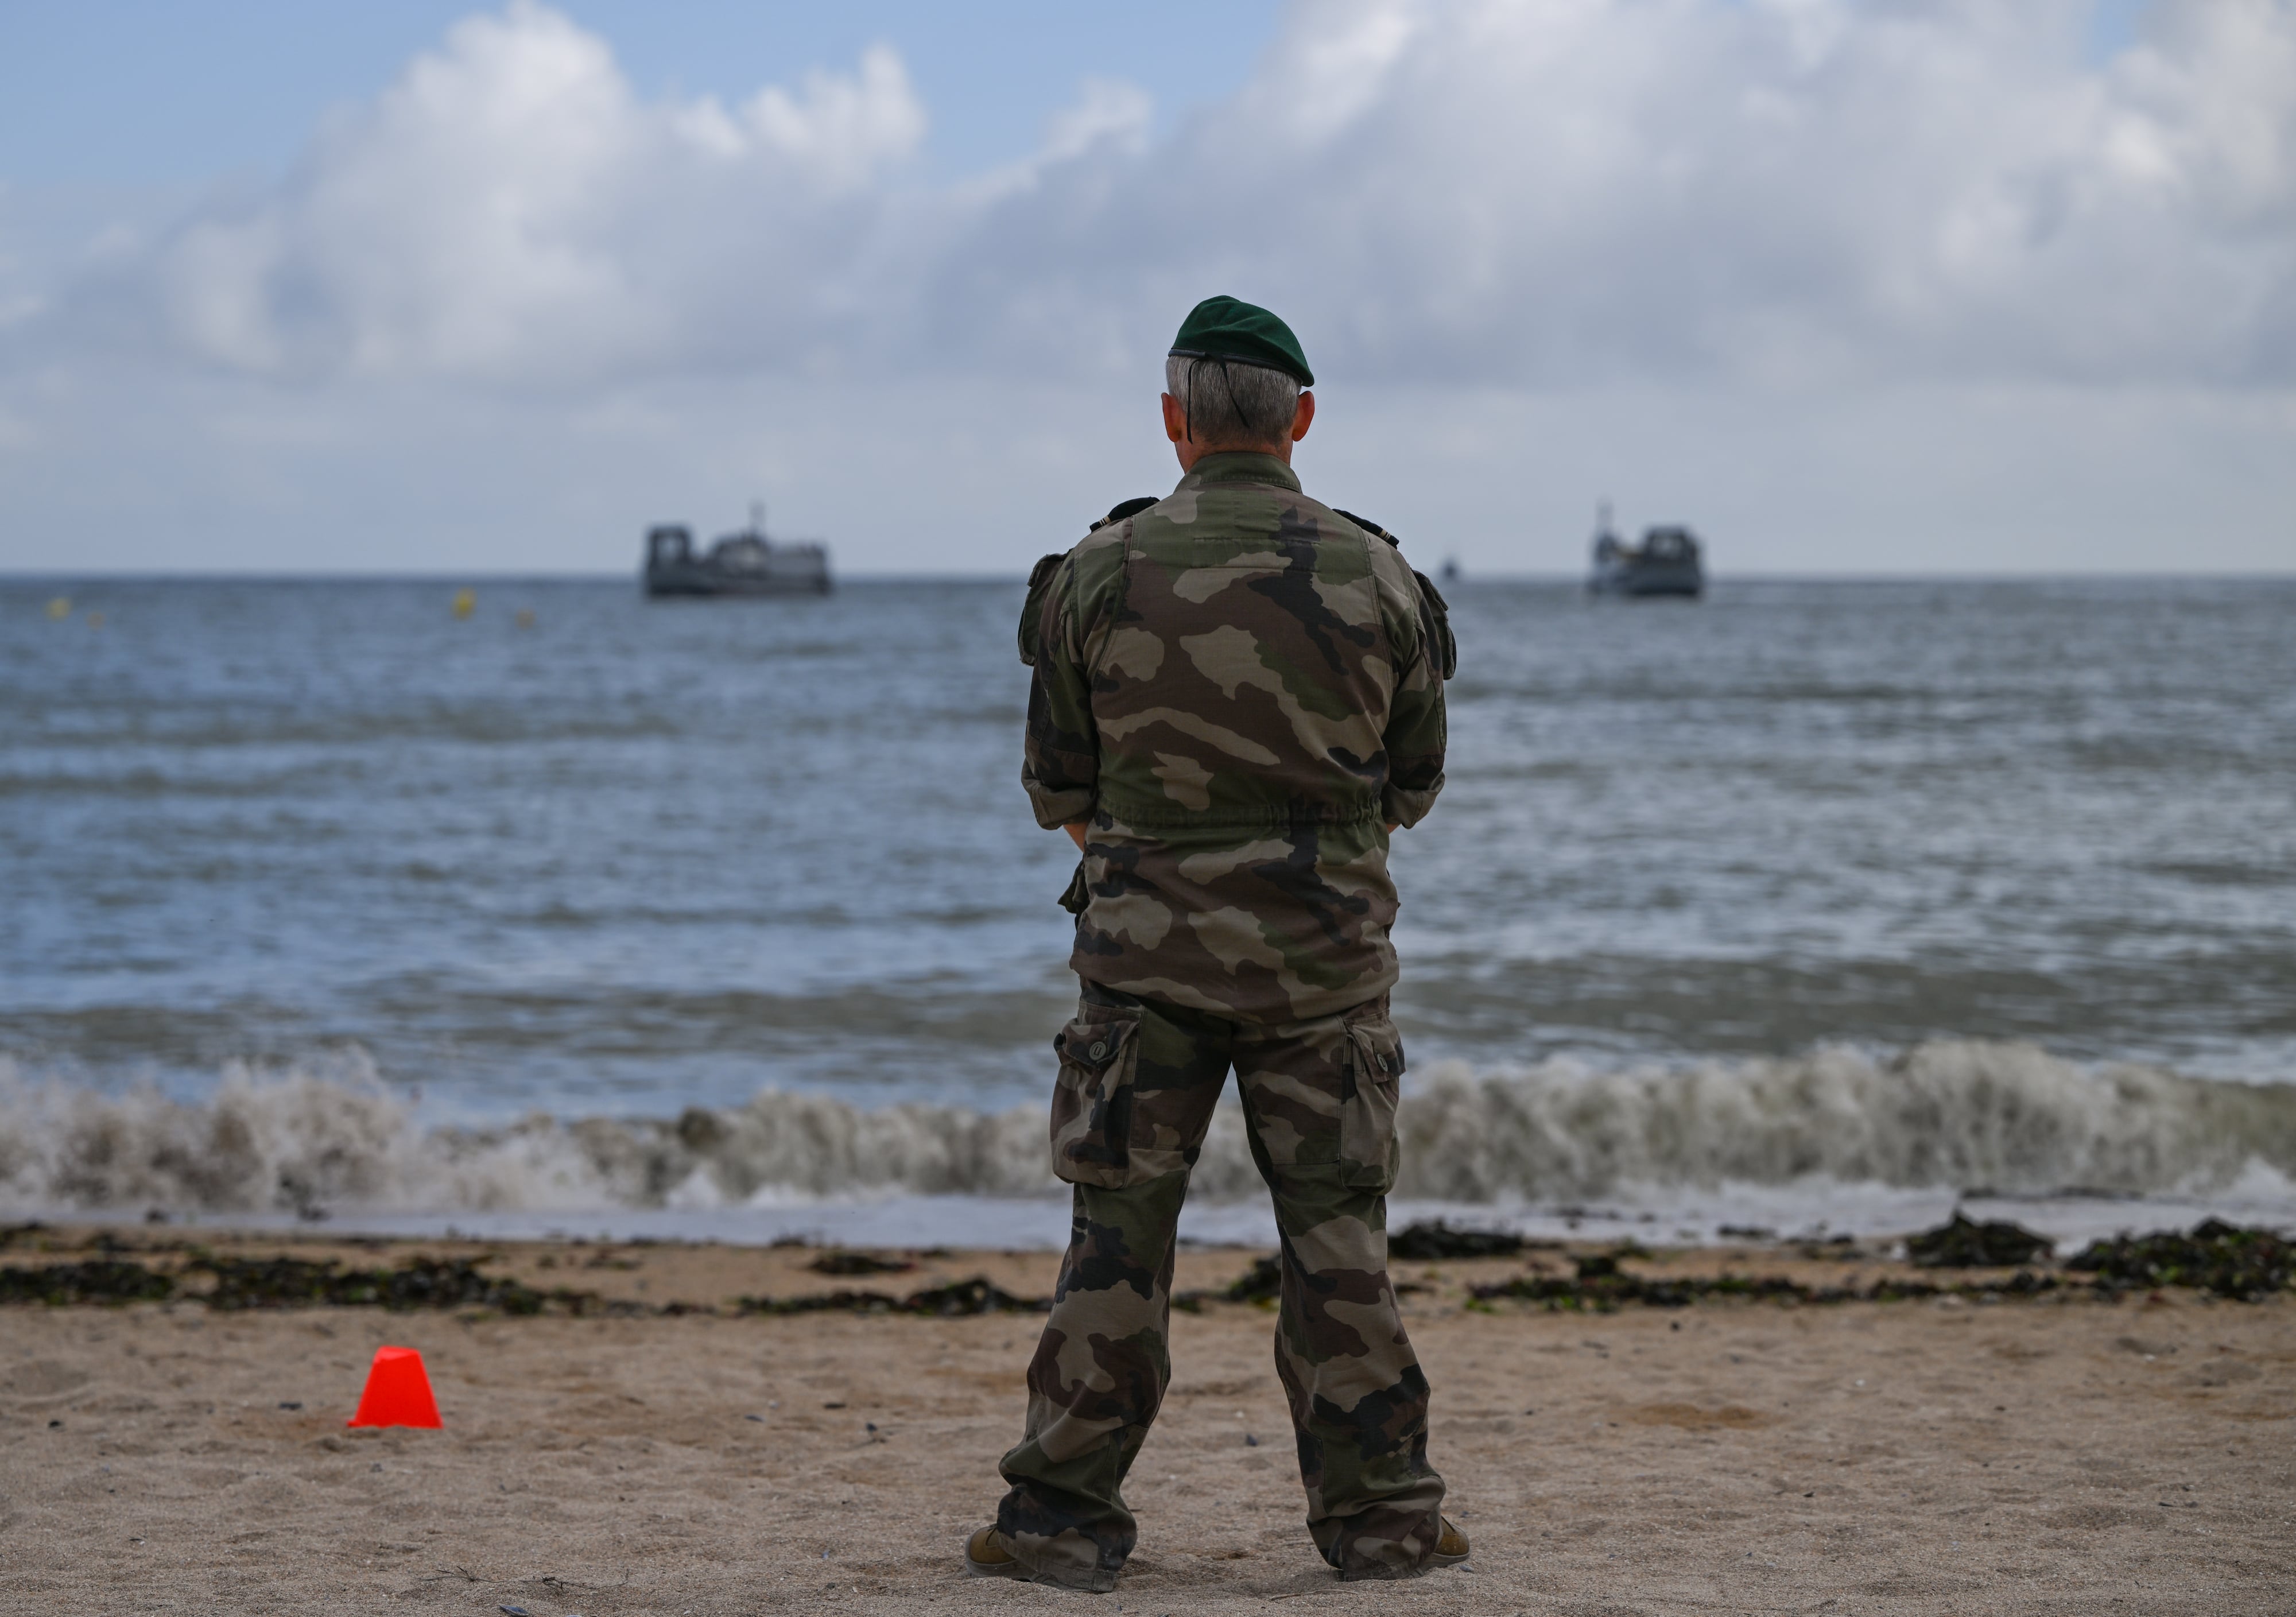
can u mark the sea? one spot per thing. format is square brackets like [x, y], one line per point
[1809, 909]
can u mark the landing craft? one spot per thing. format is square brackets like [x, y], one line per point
[1665, 563]
[742, 563]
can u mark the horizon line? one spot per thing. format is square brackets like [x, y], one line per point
[875, 575]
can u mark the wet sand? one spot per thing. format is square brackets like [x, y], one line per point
[2039, 1456]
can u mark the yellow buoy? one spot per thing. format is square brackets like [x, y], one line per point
[59, 608]
[466, 601]
[524, 618]
[95, 619]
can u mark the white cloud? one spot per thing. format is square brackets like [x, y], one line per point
[1558, 189]
[1519, 191]
[510, 210]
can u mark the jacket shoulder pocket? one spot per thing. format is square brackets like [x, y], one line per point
[1092, 1102]
[1032, 609]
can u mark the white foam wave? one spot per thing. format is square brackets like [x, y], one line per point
[1947, 1114]
[1959, 1113]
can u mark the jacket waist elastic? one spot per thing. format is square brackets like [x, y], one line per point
[1150, 814]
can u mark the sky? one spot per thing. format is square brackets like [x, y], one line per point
[1851, 286]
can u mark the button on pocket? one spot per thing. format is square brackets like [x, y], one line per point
[1092, 1102]
[1368, 1152]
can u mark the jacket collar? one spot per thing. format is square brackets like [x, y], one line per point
[1239, 466]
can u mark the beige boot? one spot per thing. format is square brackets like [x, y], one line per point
[1451, 1549]
[986, 1555]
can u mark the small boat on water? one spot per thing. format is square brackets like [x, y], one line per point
[1666, 562]
[742, 563]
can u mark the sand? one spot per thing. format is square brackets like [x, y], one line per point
[1861, 1458]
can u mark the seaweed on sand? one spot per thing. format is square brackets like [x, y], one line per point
[278, 1282]
[959, 1298]
[1964, 1242]
[420, 1282]
[1429, 1241]
[1601, 1286]
[98, 1280]
[859, 1263]
[2217, 1257]
[1263, 1282]
[431, 1283]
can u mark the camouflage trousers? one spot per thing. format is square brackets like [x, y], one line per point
[1137, 1084]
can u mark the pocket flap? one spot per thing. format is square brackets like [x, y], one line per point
[1379, 1047]
[1093, 1043]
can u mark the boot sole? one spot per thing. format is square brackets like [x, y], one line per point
[1432, 1565]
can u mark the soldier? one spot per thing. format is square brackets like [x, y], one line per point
[1237, 698]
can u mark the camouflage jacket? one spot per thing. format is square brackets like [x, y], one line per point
[1239, 688]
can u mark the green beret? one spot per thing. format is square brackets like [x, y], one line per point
[1225, 328]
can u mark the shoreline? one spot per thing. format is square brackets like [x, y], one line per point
[1434, 1266]
[1725, 1217]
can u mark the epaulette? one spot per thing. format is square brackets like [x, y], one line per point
[1434, 612]
[1032, 612]
[1122, 509]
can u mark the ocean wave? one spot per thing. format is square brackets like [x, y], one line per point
[2008, 1118]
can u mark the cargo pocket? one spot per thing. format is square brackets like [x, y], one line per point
[1368, 1152]
[1092, 1102]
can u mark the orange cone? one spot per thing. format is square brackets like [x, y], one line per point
[398, 1392]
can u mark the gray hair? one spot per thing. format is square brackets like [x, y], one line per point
[1227, 401]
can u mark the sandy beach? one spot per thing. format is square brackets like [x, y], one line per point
[1919, 1457]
